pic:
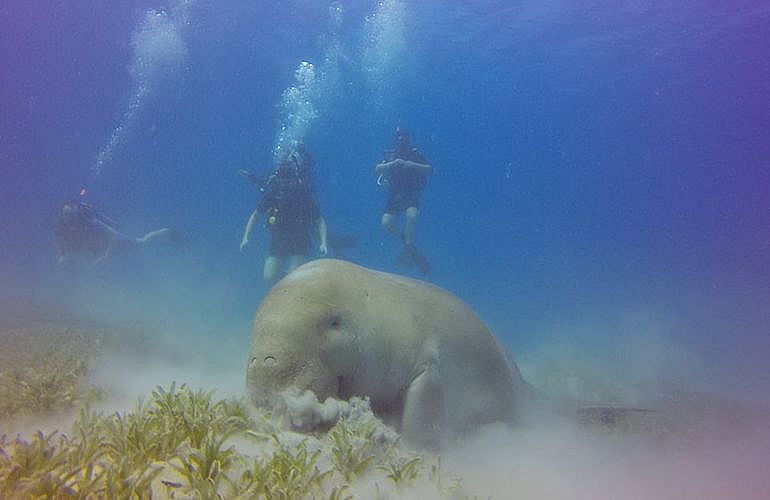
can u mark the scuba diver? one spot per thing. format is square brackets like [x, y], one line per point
[404, 170]
[303, 165]
[80, 229]
[291, 214]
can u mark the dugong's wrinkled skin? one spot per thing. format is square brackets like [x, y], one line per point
[421, 355]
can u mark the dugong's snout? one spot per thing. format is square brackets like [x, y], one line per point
[273, 372]
[261, 379]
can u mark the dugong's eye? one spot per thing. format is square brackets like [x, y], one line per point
[335, 320]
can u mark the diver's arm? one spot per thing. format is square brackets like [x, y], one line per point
[424, 168]
[382, 168]
[252, 177]
[249, 226]
[104, 225]
[322, 235]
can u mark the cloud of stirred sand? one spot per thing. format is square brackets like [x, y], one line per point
[686, 441]
[565, 461]
[695, 446]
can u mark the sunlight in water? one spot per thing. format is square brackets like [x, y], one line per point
[385, 47]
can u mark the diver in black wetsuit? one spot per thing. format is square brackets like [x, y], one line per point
[303, 165]
[405, 171]
[291, 214]
[80, 229]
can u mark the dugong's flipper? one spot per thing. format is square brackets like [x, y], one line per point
[424, 410]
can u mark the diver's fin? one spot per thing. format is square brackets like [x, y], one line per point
[411, 256]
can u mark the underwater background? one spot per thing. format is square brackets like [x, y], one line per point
[602, 168]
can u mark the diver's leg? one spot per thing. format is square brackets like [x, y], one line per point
[270, 271]
[389, 224]
[294, 262]
[411, 222]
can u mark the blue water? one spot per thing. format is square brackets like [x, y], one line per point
[601, 168]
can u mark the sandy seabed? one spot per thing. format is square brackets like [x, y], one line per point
[53, 364]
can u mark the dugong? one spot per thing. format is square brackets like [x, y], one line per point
[424, 359]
